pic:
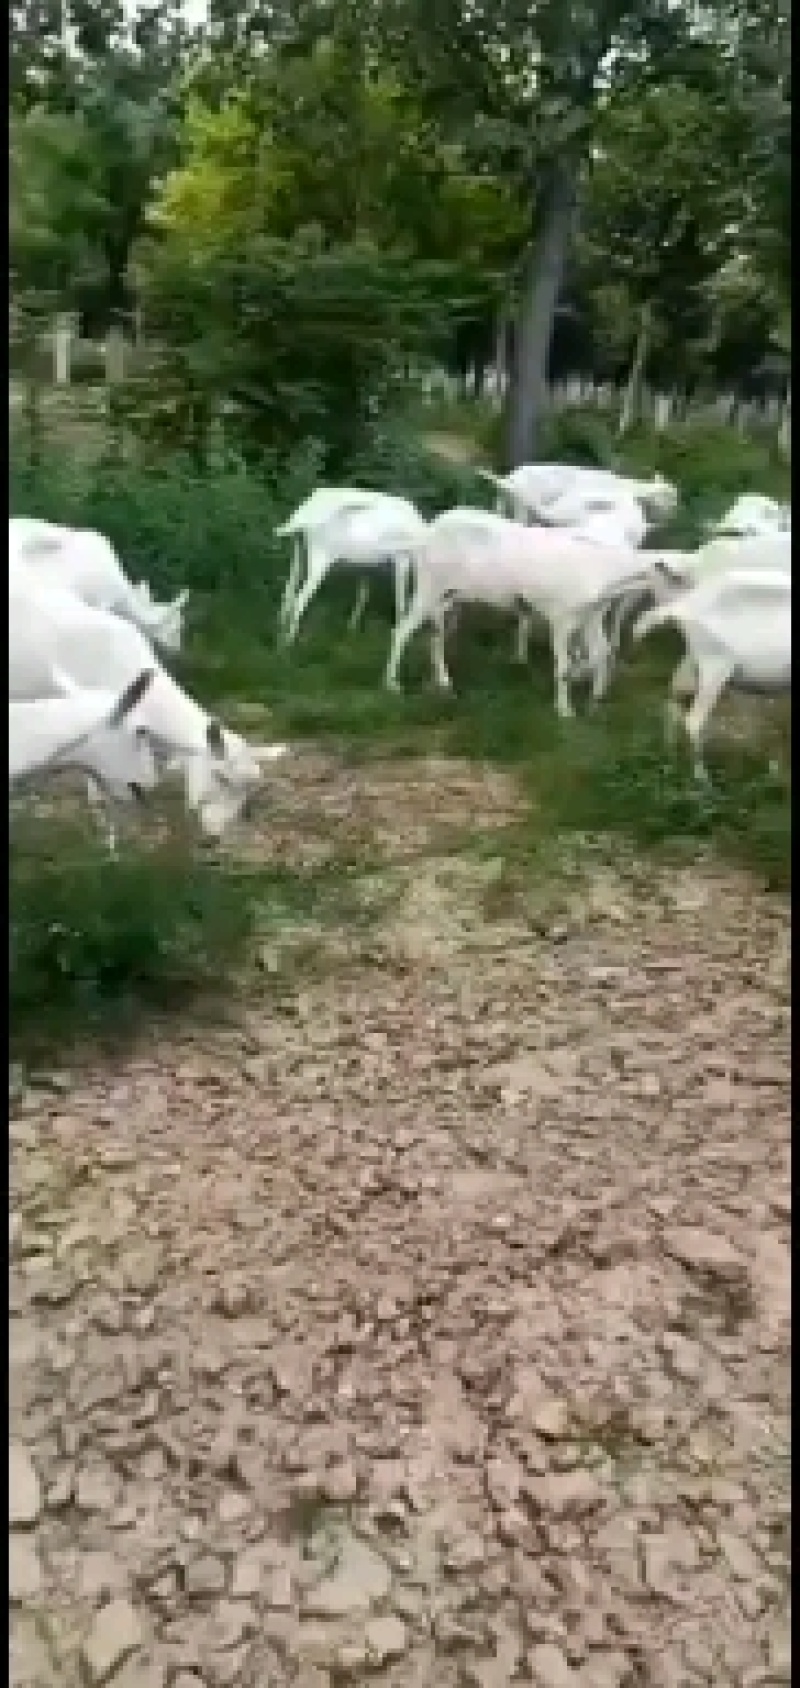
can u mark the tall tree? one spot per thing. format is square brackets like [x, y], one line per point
[528, 80]
[99, 90]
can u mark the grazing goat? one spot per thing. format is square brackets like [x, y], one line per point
[72, 730]
[738, 632]
[84, 562]
[51, 630]
[475, 556]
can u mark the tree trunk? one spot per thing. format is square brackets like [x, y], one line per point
[541, 286]
[641, 350]
[501, 349]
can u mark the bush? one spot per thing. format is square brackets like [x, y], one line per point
[711, 464]
[397, 461]
[96, 941]
[631, 784]
[296, 337]
[98, 945]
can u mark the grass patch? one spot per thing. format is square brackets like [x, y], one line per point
[608, 771]
[98, 945]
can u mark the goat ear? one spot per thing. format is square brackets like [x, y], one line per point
[672, 576]
[132, 696]
[214, 739]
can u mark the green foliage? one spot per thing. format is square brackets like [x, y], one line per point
[395, 459]
[315, 240]
[95, 942]
[664, 194]
[91, 130]
[578, 436]
[100, 946]
[367, 145]
[674, 223]
[315, 142]
[569, 436]
[623, 778]
[56, 205]
[295, 340]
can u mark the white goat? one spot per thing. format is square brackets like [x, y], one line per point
[622, 525]
[70, 730]
[476, 556]
[534, 491]
[754, 516]
[51, 630]
[604, 507]
[85, 562]
[683, 569]
[738, 632]
[306, 524]
[314, 512]
[346, 526]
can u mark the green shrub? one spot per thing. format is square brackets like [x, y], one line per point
[398, 461]
[95, 941]
[626, 782]
[711, 465]
[98, 945]
[579, 436]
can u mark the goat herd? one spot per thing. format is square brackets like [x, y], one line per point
[567, 550]
[88, 690]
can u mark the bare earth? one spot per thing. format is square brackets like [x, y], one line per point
[431, 1325]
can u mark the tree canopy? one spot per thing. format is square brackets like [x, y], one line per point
[309, 196]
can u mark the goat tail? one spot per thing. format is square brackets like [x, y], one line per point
[656, 617]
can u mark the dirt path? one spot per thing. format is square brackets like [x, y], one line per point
[431, 1327]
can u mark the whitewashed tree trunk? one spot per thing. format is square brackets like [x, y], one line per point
[62, 350]
[115, 356]
[662, 412]
[641, 349]
[785, 426]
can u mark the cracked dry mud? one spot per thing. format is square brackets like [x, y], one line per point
[431, 1327]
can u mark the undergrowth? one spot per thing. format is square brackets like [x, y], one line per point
[96, 941]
